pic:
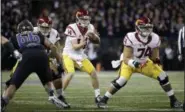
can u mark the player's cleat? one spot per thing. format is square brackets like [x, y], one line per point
[103, 103]
[3, 105]
[97, 100]
[57, 102]
[176, 104]
[63, 100]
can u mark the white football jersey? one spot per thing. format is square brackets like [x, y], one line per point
[72, 32]
[142, 47]
[53, 36]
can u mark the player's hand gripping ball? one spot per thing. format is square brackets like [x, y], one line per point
[91, 36]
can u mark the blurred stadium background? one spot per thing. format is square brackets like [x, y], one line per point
[112, 18]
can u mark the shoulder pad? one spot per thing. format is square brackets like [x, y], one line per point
[70, 31]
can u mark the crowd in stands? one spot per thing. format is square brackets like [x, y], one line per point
[112, 18]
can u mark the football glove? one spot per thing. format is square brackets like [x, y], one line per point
[60, 68]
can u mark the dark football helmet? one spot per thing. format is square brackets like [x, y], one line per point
[24, 26]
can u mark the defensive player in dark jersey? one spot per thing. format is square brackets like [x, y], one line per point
[34, 59]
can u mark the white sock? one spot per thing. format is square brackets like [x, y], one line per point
[97, 92]
[108, 94]
[59, 92]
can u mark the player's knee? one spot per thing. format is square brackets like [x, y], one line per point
[56, 76]
[163, 78]
[119, 83]
[93, 74]
[69, 76]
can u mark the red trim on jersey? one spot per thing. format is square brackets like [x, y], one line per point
[71, 29]
[145, 43]
[69, 35]
[128, 39]
[128, 46]
[82, 30]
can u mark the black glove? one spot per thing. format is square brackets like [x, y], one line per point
[136, 64]
[60, 69]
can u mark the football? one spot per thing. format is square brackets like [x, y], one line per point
[91, 36]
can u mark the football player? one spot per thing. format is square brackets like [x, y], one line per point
[34, 59]
[77, 37]
[141, 55]
[44, 25]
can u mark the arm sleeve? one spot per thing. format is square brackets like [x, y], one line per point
[159, 42]
[70, 32]
[156, 41]
[53, 39]
[179, 41]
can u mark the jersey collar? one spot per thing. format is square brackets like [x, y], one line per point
[82, 30]
[139, 39]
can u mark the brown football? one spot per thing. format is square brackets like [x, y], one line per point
[92, 37]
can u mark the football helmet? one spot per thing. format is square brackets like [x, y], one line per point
[44, 25]
[24, 26]
[83, 18]
[144, 27]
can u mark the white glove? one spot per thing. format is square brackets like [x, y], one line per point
[115, 63]
[180, 57]
[17, 55]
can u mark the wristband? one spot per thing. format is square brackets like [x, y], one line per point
[131, 63]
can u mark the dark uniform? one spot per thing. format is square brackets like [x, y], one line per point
[34, 58]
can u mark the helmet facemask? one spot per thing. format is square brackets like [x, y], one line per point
[83, 21]
[45, 29]
[145, 29]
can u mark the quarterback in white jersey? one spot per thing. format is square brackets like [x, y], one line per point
[44, 26]
[141, 55]
[77, 37]
[73, 33]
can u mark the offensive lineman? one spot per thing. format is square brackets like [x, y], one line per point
[34, 59]
[141, 55]
[77, 37]
[44, 26]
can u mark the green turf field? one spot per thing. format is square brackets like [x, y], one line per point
[140, 94]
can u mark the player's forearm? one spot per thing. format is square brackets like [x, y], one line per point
[132, 63]
[97, 39]
[155, 56]
[55, 53]
[59, 47]
[77, 46]
[126, 60]
[3, 40]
